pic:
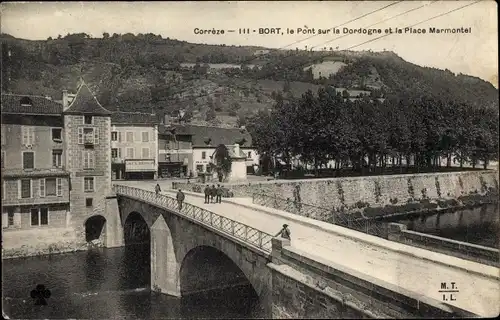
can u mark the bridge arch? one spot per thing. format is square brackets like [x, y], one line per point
[95, 228]
[208, 271]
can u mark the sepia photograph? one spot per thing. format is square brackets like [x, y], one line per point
[250, 160]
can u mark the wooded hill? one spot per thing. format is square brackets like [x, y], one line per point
[146, 72]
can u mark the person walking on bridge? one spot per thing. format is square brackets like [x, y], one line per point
[213, 193]
[180, 198]
[207, 194]
[284, 232]
[218, 198]
[157, 189]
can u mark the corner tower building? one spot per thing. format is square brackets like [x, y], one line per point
[88, 137]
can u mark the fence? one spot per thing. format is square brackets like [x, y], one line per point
[228, 226]
[375, 228]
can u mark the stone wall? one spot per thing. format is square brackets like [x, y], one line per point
[377, 191]
[328, 290]
[399, 233]
[40, 241]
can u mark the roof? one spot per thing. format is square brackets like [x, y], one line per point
[11, 103]
[226, 136]
[120, 117]
[85, 102]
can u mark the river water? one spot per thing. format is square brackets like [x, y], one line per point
[108, 284]
[479, 225]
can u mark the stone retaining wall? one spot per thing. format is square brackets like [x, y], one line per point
[377, 191]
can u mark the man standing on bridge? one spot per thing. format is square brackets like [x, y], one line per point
[284, 232]
[180, 198]
[157, 189]
[207, 194]
[218, 197]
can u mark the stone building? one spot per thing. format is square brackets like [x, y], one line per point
[35, 177]
[134, 145]
[88, 147]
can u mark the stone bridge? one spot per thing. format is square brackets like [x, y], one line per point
[194, 249]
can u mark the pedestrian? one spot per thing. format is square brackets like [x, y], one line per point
[218, 198]
[213, 192]
[207, 194]
[180, 198]
[284, 232]
[157, 189]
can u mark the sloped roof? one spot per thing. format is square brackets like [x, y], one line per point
[120, 117]
[86, 103]
[226, 136]
[11, 103]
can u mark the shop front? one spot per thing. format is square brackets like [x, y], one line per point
[144, 169]
[173, 165]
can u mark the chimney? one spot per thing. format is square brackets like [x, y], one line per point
[237, 149]
[65, 100]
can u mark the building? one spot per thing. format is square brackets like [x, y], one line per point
[206, 139]
[35, 179]
[87, 140]
[134, 145]
[175, 153]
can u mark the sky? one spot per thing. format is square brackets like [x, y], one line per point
[474, 53]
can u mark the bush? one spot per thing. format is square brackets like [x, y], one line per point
[393, 200]
[389, 209]
[361, 204]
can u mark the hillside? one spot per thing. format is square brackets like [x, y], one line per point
[213, 83]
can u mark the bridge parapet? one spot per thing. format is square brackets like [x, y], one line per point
[249, 235]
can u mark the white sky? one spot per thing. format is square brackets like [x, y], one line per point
[475, 54]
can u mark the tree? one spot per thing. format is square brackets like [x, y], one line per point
[210, 115]
[222, 161]
[105, 35]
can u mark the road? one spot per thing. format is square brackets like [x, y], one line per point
[477, 294]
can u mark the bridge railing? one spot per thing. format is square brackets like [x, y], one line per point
[247, 234]
[322, 214]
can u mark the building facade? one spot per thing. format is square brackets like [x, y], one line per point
[35, 178]
[175, 151]
[88, 147]
[134, 145]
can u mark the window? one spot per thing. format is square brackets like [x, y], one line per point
[39, 216]
[4, 140]
[114, 136]
[88, 202]
[88, 184]
[25, 186]
[249, 155]
[115, 153]
[130, 153]
[57, 158]
[203, 155]
[28, 134]
[28, 160]
[130, 137]
[88, 120]
[48, 187]
[145, 153]
[3, 159]
[145, 136]
[199, 168]
[10, 217]
[88, 135]
[88, 159]
[57, 134]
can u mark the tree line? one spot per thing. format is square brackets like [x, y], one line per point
[366, 133]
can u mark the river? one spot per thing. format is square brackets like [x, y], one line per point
[108, 284]
[478, 226]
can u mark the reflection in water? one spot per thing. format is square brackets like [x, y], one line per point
[479, 225]
[107, 284]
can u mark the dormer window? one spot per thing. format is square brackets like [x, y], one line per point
[88, 120]
[25, 101]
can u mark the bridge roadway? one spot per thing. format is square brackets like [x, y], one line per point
[478, 294]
